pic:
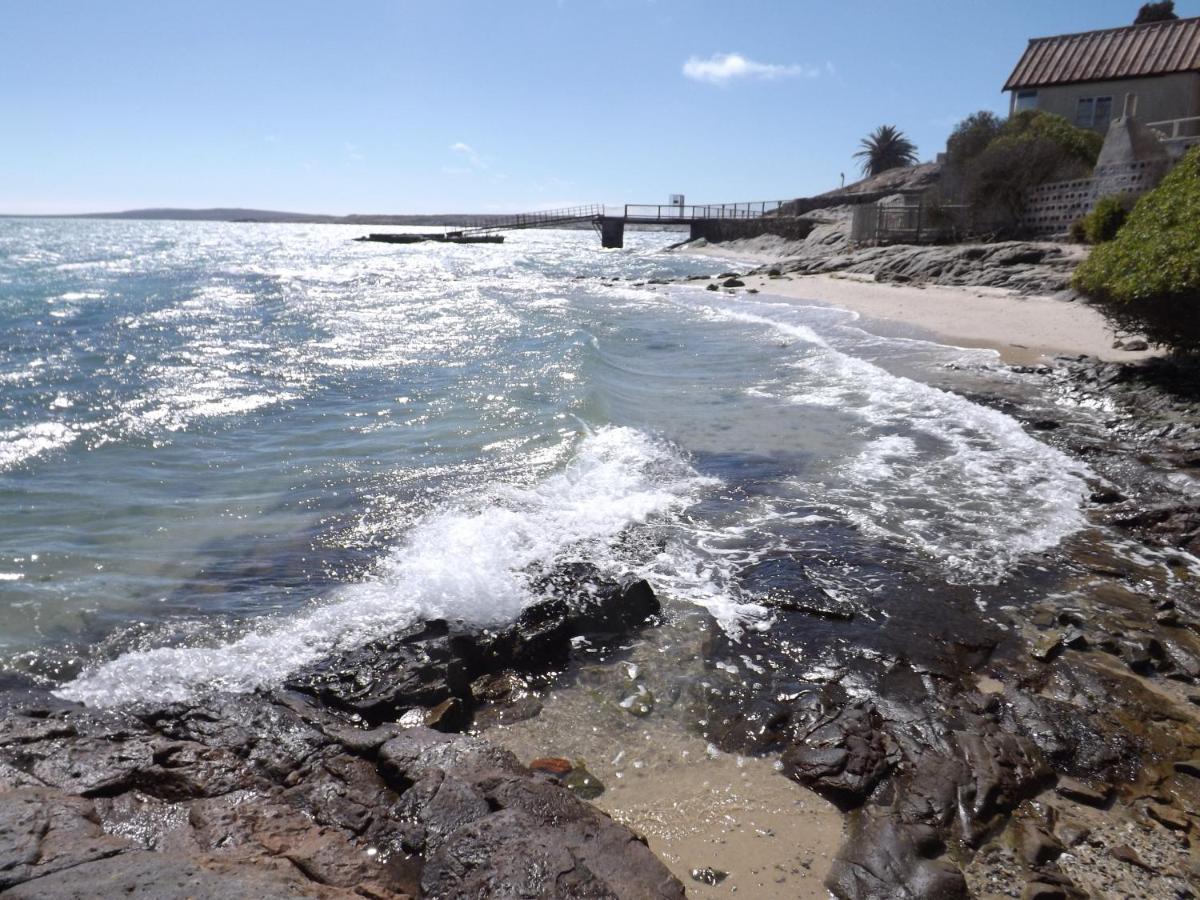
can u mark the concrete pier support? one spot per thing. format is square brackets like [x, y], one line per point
[612, 233]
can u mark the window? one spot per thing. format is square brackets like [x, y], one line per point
[1025, 100]
[1083, 111]
[1093, 112]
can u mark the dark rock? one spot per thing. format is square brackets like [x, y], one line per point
[733, 283]
[842, 757]
[1040, 890]
[1080, 792]
[1034, 845]
[712, 287]
[887, 860]
[429, 664]
[420, 666]
[1046, 647]
[270, 796]
[1135, 346]
[44, 831]
[1168, 817]
[162, 876]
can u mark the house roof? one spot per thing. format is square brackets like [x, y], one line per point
[1135, 51]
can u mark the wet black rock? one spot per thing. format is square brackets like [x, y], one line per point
[423, 667]
[733, 283]
[273, 796]
[842, 757]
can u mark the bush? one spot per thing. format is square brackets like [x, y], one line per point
[1106, 218]
[1148, 278]
[994, 165]
[1078, 232]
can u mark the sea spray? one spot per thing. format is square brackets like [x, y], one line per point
[470, 564]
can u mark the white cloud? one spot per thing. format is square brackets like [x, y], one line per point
[352, 152]
[721, 68]
[467, 152]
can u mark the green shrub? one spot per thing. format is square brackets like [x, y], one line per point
[1148, 278]
[1106, 218]
[994, 165]
[1078, 232]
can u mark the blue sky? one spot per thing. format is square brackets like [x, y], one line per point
[475, 105]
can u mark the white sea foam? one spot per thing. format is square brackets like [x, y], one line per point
[960, 482]
[458, 564]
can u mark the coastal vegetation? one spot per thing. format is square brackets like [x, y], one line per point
[1147, 278]
[1104, 221]
[992, 164]
[1163, 11]
[886, 148]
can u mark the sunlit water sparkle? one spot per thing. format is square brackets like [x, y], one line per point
[227, 449]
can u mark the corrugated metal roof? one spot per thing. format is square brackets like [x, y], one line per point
[1136, 51]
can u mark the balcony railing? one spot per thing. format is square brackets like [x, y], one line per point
[1178, 129]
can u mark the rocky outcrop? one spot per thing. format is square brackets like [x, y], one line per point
[287, 794]
[271, 796]
[1031, 268]
[437, 665]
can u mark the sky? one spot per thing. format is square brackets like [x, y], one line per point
[392, 106]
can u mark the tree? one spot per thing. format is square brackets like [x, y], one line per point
[971, 137]
[1163, 11]
[886, 148]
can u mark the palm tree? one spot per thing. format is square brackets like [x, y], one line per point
[886, 148]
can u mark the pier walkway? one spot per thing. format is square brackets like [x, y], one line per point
[610, 222]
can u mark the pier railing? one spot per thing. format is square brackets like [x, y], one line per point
[546, 218]
[752, 210]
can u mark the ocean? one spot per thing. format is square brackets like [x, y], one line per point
[227, 450]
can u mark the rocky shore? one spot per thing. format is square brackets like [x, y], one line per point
[340, 785]
[1041, 745]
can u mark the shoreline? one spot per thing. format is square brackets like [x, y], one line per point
[1022, 328]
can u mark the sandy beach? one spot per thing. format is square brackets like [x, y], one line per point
[1023, 329]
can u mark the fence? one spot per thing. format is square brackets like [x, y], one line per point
[908, 223]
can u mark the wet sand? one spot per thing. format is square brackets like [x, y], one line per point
[697, 807]
[1023, 329]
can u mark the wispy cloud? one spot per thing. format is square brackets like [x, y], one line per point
[467, 152]
[352, 152]
[722, 68]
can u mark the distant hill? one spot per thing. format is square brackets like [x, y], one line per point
[237, 214]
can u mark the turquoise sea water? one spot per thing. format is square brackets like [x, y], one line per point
[226, 449]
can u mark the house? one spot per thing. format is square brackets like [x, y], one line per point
[1150, 71]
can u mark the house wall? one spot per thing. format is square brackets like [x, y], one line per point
[1163, 97]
